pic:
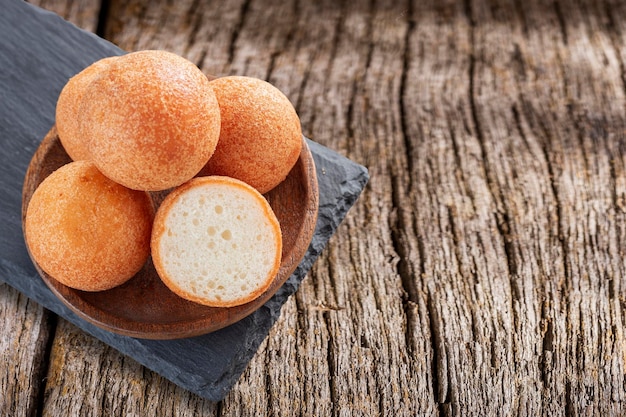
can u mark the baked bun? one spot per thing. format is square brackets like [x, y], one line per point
[86, 231]
[260, 138]
[67, 109]
[216, 241]
[152, 120]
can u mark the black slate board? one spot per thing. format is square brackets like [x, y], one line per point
[39, 51]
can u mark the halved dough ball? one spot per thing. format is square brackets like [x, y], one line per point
[152, 120]
[216, 241]
[67, 110]
[86, 231]
[260, 138]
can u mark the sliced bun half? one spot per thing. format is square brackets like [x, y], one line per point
[216, 241]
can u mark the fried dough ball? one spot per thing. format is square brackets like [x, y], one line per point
[260, 138]
[86, 231]
[152, 120]
[67, 109]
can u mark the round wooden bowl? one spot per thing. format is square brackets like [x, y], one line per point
[144, 307]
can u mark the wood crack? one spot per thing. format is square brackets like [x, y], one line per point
[404, 117]
[287, 43]
[332, 54]
[332, 368]
[103, 17]
[195, 19]
[51, 321]
[356, 83]
[306, 75]
[442, 389]
[403, 267]
[561, 19]
[237, 28]
[502, 218]
[268, 384]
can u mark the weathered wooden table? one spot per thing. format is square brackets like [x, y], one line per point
[482, 272]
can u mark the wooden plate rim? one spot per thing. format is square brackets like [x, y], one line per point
[202, 325]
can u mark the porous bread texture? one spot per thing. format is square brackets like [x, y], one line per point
[260, 138]
[152, 120]
[86, 231]
[67, 109]
[216, 241]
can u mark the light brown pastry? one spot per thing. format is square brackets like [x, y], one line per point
[87, 231]
[216, 241]
[260, 138]
[67, 109]
[152, 120]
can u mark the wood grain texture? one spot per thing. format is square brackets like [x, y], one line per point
[482, 271]
[27, 330]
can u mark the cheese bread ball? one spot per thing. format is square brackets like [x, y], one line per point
[67, 109]
[152, 120]
[260, 138]
[86, 231]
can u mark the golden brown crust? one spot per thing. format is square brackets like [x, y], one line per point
[86, 231]
[159, 229]
[260, 138]
[67, 109]
[153, 120]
